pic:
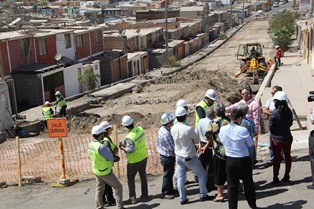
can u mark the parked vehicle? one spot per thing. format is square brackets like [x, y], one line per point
[276, 4]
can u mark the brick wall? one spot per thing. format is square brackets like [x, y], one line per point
[115, 42]
[4, 59]
[123, 66]
[51, 49]
[85, 50]
[96, 46]
[17, 59]
[154, 15]
[115, 70]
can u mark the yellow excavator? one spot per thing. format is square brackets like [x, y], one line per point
[252, 60]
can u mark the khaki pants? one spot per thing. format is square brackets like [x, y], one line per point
[112, 181]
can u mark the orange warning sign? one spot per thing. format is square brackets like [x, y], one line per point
[57, 127]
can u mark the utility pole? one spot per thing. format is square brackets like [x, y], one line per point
[166, 34]
[206, 22]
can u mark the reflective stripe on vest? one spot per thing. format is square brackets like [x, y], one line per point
[47, 113]
[137, 136]
[203, 105]
[100, 166]
[61, 103]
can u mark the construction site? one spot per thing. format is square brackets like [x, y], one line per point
[144, 98]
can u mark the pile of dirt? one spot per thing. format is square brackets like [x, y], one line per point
[147, 103]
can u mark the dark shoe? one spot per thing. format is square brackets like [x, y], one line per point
[108, 204]
[184, 202]
[275, 180]
[310, 186]
[269, 164]
[131, 201]
[168, 196]
[286, 178]
[145, 197]
[205, 198]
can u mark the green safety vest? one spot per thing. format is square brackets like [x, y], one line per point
[61, 103]
[112, 145]
[101, 166]
[137, 136]
[202, 104]
[47, 113]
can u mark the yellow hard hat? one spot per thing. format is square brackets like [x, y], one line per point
[269, 59]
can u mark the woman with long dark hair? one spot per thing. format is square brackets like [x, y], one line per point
[280, 122]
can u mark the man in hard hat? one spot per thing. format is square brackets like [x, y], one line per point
[134, 145]
[185, 140]
[108, 197]
[62, 104]
[205, 147]
[182, 103]
[165, 147]
[47, 112]
[278, 56]
[200, 109]
[102, 160]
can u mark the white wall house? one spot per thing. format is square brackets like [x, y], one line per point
[66, 45]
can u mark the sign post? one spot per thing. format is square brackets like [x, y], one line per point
[57, 128]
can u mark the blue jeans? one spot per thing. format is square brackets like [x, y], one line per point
[195, 165]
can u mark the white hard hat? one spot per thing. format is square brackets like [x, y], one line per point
[277, 46]
[47, 103]
[105, 124]
[127, 120]
[96, 130]
[166, 118]
[211, 94]
[181, 111]
[57, 93]
[281, 96]
[181, 103]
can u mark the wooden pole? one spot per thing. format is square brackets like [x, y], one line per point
[116, 142]
[19, 160]
[62, 158]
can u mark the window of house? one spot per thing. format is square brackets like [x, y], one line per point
[24, 46]
[98, 36]
[79, 41]
[42, 46]
[67, 38]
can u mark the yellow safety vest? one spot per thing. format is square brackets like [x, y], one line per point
[101, 166]
[137, 136]
[202, 104]
[47, 113]
[61, 103]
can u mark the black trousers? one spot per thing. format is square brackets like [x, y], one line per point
[108, 195]
[311, 153]
[207, 161]
[240, 168]
[167, 182]
[63, 111]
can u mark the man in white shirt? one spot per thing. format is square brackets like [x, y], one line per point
[185, 140]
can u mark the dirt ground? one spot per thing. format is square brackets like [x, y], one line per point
[146, 104]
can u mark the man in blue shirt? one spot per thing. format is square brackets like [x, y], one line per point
[237, 140]
[165, 147]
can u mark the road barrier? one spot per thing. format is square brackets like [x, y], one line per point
[42, 159]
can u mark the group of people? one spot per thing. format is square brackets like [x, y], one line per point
[48, 112]
[103, 153]
[221, 148]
